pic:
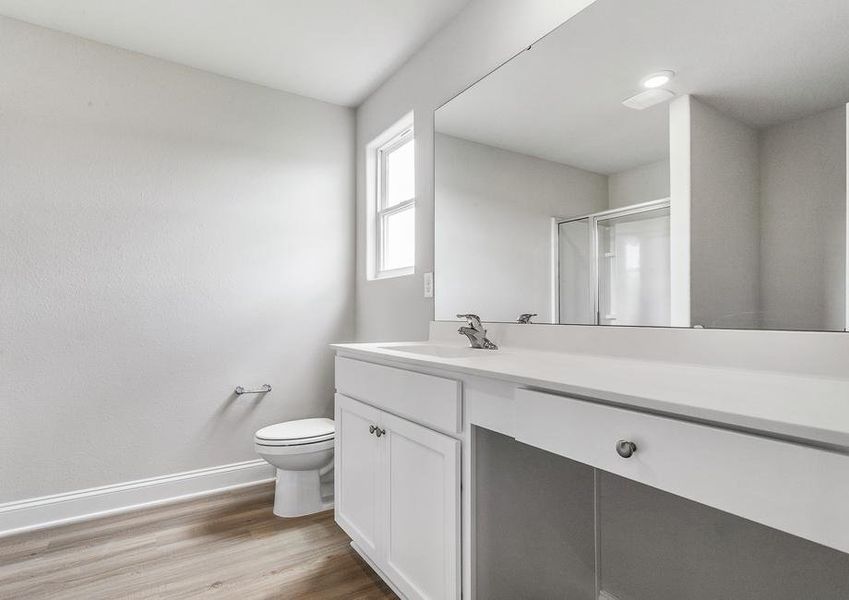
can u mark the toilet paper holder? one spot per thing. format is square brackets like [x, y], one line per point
[240, 390]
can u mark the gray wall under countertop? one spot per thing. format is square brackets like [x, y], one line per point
[534, 522]
[658, 546]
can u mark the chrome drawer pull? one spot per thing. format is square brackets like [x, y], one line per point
[625, 449]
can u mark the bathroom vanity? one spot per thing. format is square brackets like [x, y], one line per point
[770, 447]
[631, 168]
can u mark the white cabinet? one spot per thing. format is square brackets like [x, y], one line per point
[356, 474]
[398, 497]
[422, 476]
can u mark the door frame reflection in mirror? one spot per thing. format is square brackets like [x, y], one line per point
[592, 224]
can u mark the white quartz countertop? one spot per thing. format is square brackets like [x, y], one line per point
[813, 409]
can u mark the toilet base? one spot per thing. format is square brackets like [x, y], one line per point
[299, 493]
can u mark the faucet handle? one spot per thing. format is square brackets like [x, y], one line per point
[474, 320]
[525, 318]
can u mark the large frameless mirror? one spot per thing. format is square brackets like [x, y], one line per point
[654, 163]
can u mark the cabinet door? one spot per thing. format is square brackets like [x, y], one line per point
[357, 470]
[421, 488]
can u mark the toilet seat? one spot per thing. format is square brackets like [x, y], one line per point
[267, 450]
[301, 432]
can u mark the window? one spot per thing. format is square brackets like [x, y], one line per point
[392, 231]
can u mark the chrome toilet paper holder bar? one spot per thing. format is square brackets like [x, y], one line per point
[240, 390]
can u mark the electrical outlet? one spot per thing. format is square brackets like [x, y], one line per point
[428, 285]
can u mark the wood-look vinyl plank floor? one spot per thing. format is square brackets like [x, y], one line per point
[225, 546]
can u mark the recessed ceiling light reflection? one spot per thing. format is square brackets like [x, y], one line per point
[655, 80]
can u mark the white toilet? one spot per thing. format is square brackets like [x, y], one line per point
[302, 451]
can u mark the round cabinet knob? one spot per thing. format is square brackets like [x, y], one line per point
[625, 449]
[380, 432]
[372, 428]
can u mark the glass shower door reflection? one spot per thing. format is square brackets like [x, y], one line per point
[614, 267]
[633, 268]
[576, 299]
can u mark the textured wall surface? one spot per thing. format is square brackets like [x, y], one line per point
[534, 527]
[640, 184]
[724, 236]
[165, 235]
[657, 546]
[803, 222]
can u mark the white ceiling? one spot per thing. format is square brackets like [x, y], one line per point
[334, 50]
[760, 61]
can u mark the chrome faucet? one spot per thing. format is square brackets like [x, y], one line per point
[476, 333]
[525, 318]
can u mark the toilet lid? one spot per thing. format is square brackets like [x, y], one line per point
[303, 430]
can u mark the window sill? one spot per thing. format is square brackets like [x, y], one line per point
[393, 274]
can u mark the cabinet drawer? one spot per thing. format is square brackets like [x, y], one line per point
[426, 399]
[795, 488]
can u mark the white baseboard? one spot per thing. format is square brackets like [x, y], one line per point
[81, 505]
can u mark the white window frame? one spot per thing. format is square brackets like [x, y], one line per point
[377, 151]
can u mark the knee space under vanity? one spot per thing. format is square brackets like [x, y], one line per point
[550, 527]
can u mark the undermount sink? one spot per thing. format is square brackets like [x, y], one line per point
[434, 350]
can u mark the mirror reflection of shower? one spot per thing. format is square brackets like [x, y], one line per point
[613, 267]
[751, 153]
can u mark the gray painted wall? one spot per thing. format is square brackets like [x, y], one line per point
[803, 222]
[724, 225]
[165, 235]
[534, 524]
[657, 546]
[640, 184]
